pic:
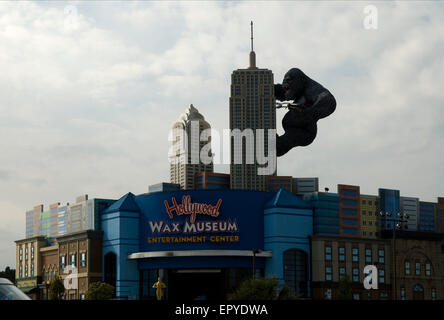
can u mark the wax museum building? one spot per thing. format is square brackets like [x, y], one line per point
[203, 243]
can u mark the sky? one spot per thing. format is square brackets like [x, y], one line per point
[90, 90]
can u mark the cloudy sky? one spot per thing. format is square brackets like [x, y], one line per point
[89, 91]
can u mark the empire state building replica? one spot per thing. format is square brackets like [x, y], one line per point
[252, 106]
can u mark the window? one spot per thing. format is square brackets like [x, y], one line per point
[26, 253]
[433, 294]
[73, 260]
[49, 275]
[341, 273]
[328, 253]
[32, 269]
[62, 262]
[381, 255]
[427, 269]
[355, 275]
[402, 293]
[54, 275]
[20, 254]
[341, 255]
[383, 295]
[418, 269]
[20, 272]
[355, 254]
[381, 276]
[83, 259]
[407, 268]
[26, 271]
[368, 255]
[44, 276]
[328, 274]
[355, 296]
[82, 296]
[32, 252]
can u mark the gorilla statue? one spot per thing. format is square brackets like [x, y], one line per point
[311, 103]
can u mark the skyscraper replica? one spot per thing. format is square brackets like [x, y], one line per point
[252, 105]
[185, 160]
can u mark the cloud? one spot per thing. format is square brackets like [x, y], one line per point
[88, 99]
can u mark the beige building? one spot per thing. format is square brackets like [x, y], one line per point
[75, 258]
[185, 159]
[334, 257]
[370, 219]
[28, 265]
[419, 266]
[80, 253]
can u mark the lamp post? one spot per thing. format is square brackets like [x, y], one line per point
[255, 251]
[398, 223]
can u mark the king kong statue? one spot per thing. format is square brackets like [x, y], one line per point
[311, 103]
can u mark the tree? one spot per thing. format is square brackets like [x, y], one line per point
[262, 289]
[8, 274]
[345, 291]
[56, 289]
[99, 291]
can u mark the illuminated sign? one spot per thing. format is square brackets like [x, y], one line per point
[191, 230]
[202, 220]
[192, 209]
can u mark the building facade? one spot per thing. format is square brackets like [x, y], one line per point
[410, 206]
[349, 211]
[419, 266]
[335, 257]
[303, 186]
[274, 183]
[28, 264]
[325, 212]
[370, 218]
[212, 181]
[187, 146]
[239, 233]
[252, 107]
[389, 201]
[426, 221]
[80, 254]
[440, 215]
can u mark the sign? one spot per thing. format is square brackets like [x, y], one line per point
[27, 283]
[199, 220]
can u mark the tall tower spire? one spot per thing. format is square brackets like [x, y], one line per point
[252, 54]
[252, 36]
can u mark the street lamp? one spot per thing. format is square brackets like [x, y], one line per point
[398, 223]
[255, 251]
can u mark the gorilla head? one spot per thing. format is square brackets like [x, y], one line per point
[294, 84]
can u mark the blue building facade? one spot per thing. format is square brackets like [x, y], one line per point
[426, 221]
[389, 203]
[192, 238]
[325, 212]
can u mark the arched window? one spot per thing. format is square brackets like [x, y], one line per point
[295, 271]
[418, 292]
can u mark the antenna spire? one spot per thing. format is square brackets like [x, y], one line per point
[252, 36]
